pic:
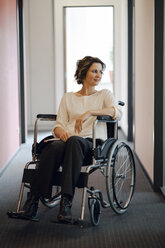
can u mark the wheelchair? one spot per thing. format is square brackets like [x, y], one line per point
[113, 158]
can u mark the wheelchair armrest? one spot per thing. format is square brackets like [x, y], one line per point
[47, 116]
[105, 118]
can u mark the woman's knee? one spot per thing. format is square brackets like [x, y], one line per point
[57, 146]
[74, 140]
[53, 148]
[77, 144]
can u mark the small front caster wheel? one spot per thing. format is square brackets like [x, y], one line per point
[95, 211]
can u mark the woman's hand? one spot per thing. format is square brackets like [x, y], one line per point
[80, 120]
[64, 136]
[60, 133]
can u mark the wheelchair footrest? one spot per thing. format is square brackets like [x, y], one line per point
[19, 215]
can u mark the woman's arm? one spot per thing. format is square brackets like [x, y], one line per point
[106, 111]
[61, 122]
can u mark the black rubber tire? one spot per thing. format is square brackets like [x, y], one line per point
[95, 211]
[120, 176]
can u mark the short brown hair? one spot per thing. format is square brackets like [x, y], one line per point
[83, 66]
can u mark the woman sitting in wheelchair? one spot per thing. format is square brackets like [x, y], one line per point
[73, 127]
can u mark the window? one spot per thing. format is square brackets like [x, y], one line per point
[89, 31]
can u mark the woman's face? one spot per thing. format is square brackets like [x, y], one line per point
[94, 75]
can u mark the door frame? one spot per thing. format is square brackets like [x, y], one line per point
[158, 95]
[131, 82]
[120, 48]
[20, 38]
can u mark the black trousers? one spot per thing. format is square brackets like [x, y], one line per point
[72, 155]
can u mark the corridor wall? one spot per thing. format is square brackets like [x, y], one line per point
[9, 96]
[144, 84]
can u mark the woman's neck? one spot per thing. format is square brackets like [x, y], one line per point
[87, 91]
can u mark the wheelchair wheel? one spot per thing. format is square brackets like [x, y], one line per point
[54, 200]
[95, 211]
[120, 177]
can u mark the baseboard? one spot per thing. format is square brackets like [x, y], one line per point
[163, 190]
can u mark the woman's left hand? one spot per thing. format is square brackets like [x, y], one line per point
[79, 122]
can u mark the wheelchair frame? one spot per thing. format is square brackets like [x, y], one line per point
[100, 161]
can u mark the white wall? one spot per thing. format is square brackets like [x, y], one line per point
[44, 47]
[39, 59]
[144, 83]
[124, 65]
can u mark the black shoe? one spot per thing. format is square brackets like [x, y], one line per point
[65, 214]
[30, 208]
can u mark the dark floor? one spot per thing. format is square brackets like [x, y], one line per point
[142, 226]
